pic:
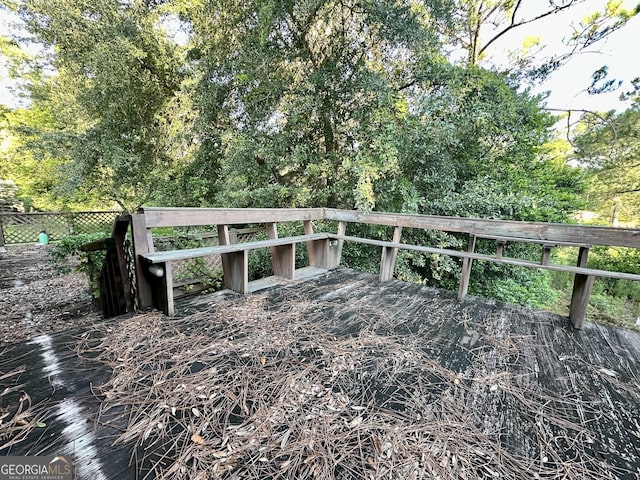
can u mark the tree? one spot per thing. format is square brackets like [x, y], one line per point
[479, 24]
[610, 150]
[115, 72]
[298, 98]
[352, 104]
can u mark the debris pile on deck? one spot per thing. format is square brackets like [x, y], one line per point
[37, 297]
[261, 387]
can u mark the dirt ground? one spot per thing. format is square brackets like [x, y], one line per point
[36, 298]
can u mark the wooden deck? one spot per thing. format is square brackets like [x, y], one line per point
[498, 352]
[60, 386]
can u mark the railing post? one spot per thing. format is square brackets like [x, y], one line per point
[334, 248]
[142, 243]
[1, 233]
[582, 286]
[466, 269]
[546, 254]
[389, 254]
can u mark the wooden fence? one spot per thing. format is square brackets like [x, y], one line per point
[17, 228]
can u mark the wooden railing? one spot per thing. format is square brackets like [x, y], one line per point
[324, 248]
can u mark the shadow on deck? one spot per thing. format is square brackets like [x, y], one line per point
[395, 380]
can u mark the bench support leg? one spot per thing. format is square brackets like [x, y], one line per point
[283, 257]
[235, 266]
[466, 270]
[236, 272]
[389, 254]
[166, 302]
[160, 278]
[284, 260]
[325, 253]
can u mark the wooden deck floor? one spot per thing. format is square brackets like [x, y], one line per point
[59, 385]
[591, 376]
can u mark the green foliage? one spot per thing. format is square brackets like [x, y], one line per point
[260, 263]
[299, 103]
[519, 285]
[609, 146]
[115, 77]
[34, 166]
[67, 255]
[617, 260]
[8, 195]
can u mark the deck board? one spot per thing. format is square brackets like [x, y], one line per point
[60, 383]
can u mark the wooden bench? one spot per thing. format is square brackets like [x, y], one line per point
[235, 261]
[154, 270]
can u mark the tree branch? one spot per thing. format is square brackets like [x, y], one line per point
[524, 22]
[589, 112]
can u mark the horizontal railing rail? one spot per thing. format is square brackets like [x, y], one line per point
[185, 217]
[551, 232]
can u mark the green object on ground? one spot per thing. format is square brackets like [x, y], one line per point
[43, 238]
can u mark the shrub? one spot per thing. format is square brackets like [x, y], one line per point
[67, 255]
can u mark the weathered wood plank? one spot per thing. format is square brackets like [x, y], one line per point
[141, 246]
[334, 250]
[582, 286]
[284, 260]
[167, 290]
[322, 253]
[184, 217]
[503, 239]
[187, 253]
[312, 246]
[465, 274]
[238, 266]
[556, 232]
[120, 228]
[389, 254]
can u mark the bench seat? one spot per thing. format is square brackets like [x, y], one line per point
[234, 260]
[188, 253]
